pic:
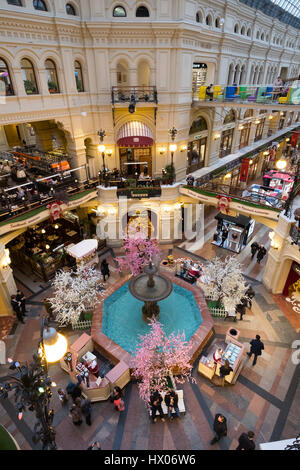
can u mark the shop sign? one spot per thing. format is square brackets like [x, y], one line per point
[198, 137]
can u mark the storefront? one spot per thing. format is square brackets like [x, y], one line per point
[245, 132]
[260, 123]
[135, 141]
[239, 228]
[197, 145]
[40, 250]
[226, 142]
[293, 280]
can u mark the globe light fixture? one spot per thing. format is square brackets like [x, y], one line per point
[101, 148]
[55, 345]
[281, 164]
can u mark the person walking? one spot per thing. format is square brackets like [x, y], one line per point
[105, 269]
[241, 307]
[16, 305]
[256, 348]
[86, 409]
[74, 390]
[246, 441]
[261, 253]
[21, 298]
[62, 396]
[225, 370]
[76, 413]
[116, 394]
[254, 248]
[220, 428]
[224, 235]
[155, 403]
[171, 401]
[250, 294]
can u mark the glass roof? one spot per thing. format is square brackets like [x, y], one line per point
[291, 6]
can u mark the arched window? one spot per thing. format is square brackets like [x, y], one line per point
[40, 5]
[236, 28]
[199, 18]
[267, 38]
[262, 37]
[70, 9]
[18, 3]
[119, 11]
[5, 82]
[142, 12]
[230, 117]
[257, 34]
[208, 20]
[249, 32]
[217, 23]
[198, 125]
[248, 113]
[51, 76]
[243, 30]
[28, 76]
[78, 77]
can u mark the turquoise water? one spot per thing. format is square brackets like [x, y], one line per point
[123, 319]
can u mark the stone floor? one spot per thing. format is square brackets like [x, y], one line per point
[265, 398]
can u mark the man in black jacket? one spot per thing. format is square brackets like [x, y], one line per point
[246, 441]
[220, 427]
[16, 305]
[21, 298]
[171, 401]
[155, 402]
[256, 348]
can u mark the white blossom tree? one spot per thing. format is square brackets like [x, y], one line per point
[75, 292]
[225, 282]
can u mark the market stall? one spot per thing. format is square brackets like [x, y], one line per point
[239, 228]
[231, 349]
[85, 252]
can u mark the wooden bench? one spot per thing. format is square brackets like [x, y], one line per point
[181, 405]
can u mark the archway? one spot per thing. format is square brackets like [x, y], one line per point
[140, 222]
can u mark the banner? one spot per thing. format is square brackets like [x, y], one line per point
[244, 170]
[294, 139]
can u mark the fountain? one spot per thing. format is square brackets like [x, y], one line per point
[150, 288]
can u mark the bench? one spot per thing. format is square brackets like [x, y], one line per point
[181, 405]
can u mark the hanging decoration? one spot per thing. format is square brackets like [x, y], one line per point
[223, 203]
[55, 209]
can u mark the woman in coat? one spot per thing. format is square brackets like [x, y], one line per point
[76, 413]
[105, 269]
[261, 253]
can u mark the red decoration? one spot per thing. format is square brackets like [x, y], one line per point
[55, 210]
[294, 139]
[223, 204]
[244, 170]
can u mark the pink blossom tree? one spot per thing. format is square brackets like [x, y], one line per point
[157, 357]
[138, 254]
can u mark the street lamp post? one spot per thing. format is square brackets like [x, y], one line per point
[32, 385]
[173, 148]
[101, 149]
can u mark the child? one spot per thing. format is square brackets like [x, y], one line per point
[62, 396]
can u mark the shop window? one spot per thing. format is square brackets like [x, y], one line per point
[259, 130]
[226, 143]
[198, 125]
[78, 77]
[18, 3]
[196, 154]
[28, 76]
[40, 5]
[245, 132]
[51, 76]
[230, 117]
[119, 11]
[142, 12]
[6, 87]
[70, 9]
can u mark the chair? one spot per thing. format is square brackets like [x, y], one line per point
[253, 97]
[202, 93]
[242, 93]
[230, 92]
[268, 94]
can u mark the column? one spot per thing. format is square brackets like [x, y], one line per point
[7, 283]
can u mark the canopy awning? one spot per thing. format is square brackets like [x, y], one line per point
[135, 134]
[83, 248]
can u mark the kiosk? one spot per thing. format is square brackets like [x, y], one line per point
[240, 229]
[85, 252]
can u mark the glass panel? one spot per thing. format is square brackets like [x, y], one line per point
[142, 12]
[78, 77]
[28, 77]
[292, 6]
[70, 9]
[5, 83]
[15, 2]
[51, 76]
[119, 11]
[39, 5]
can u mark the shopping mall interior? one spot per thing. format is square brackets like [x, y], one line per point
[150, 192]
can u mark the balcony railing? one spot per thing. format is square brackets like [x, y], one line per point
[137, 94]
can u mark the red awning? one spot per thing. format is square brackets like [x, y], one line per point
[135, 134]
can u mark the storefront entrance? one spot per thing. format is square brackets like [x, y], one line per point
[293, 280]
[135, 162]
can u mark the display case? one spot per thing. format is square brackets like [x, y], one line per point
[206, 367]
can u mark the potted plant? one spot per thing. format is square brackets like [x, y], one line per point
[170, 174]
[29, 87]
[52, 86]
